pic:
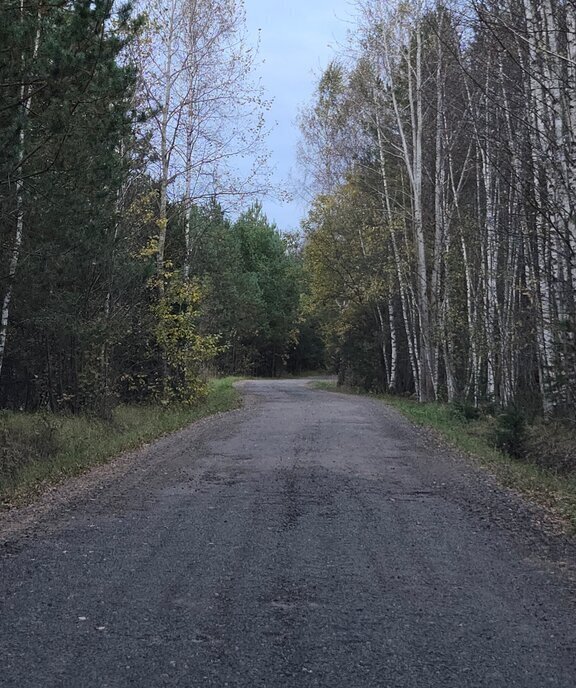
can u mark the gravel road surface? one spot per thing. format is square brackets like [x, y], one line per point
[308, 539]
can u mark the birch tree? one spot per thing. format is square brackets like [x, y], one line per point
[467, 140]
[206, 108]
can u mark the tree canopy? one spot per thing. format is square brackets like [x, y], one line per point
[126, 273]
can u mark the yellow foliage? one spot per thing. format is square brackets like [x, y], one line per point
[150, 250]
[143, 209]
[185, 349]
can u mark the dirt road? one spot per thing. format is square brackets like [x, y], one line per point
[309, 539]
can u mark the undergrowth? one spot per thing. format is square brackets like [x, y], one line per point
[40, 449]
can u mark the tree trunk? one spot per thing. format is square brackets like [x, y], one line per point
[25, 104]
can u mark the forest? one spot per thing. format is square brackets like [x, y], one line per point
[441, 240]
[437, 259]
[135, 261]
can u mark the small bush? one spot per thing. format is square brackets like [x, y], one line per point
[510, 433]
[464, 410]
[552, 446]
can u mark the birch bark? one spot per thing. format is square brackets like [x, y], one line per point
[535, 106]
[389, 221]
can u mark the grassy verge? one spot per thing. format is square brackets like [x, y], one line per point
[41, 449]
[547, 487]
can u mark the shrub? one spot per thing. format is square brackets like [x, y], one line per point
[552, 445]
[510, 433]
[464, 410]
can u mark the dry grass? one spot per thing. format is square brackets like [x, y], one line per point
[38, 449]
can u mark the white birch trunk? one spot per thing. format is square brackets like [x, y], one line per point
[166, 146]
[535, 100]
[383, 333]
[389, 221]
[393, 381]
[188, 206]
[438, 310]
[427, 390]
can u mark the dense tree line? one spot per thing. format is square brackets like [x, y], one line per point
[441, 243]
[121, 275]
[251, 282]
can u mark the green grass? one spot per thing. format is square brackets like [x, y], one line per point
[555, 491]
[43, 449]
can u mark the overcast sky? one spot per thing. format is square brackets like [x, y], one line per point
[297, 40]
